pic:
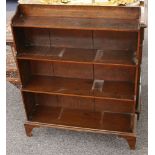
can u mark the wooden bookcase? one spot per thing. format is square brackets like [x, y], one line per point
[80, 67]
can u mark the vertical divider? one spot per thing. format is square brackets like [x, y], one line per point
[52, 67]
[93, 49]
[50, 38]
[93, 70]
[50, 35]
[101, 121]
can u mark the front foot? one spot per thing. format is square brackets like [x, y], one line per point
[28, 129]
[131, 141]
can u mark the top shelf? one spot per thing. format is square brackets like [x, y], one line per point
[77, 23]
[77, 17]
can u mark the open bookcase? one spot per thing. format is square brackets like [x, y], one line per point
[80, 67]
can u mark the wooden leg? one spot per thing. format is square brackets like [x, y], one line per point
[131, 141]
[138, 115]
[28, 129]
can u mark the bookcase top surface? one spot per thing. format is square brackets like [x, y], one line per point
[77, 17]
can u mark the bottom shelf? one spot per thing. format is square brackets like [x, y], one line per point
[114, 122]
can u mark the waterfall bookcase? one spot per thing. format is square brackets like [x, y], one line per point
[80, 67]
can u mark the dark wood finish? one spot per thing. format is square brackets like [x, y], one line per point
[71, 38]
[115, 40]
[83, 56]
[58, 85]
[64, 101]
[36, 38]
[80, 87]
[80, 67]
[83, 118]
[24, 70]
[78, 17]
[114, 73]
[80, 11]
[29, 128]
[76, 102]
[41, 68]
[114, 106]
[78, 23]
[73, 70]
[131, 141]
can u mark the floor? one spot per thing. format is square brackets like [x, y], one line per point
[60, 142]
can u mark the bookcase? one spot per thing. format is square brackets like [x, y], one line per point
[79, 67]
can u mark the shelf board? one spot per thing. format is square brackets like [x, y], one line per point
[114, 122]
[77, 23]
[120, 90]
[123, 57]
[80, 87]
[58, 54]
[75, 55]
[59, 85]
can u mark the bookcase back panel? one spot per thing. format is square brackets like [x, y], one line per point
[115, 40]
[52, 37]
[116, 73]
[103, 105]
[64, 102]
[68, 70]
[41, 68]
[32, 100]
[72, 70]
[47, 100]
[84, 39]
[75, 70]
[37, 37]
[58, 38]
[71, 38]
[30, 37]
[77, 103]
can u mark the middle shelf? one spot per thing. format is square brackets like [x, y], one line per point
[78, 55]
[117, 90]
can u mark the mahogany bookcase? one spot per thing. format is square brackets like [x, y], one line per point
[80, 67]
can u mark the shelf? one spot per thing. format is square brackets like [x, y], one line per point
[75, 55]
[78, 17]
[76, 23]
[58, 85]
[85, 119]
[123, 57]
[58, 54]
[80, 87]
[118, 90]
